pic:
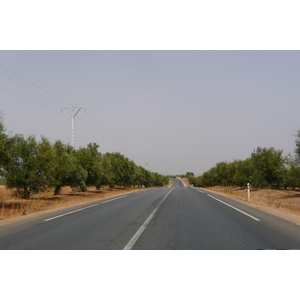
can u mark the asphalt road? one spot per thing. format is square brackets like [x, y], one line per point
[162, 218]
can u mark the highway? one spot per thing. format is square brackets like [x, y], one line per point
[173, 218]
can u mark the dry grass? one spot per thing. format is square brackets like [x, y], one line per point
[285, 200]
[11, 207]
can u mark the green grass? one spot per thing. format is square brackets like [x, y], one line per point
[2, 181]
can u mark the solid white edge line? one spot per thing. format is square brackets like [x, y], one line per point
[74, 211]
[136, 236]
[250, 216]
[114, 199]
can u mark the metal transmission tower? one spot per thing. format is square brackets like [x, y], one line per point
[71, 111]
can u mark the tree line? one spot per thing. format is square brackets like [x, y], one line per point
[265, 168]
[30, 166]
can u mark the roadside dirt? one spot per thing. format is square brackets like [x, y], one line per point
[281, 203]
[185, 181]
[13, 209]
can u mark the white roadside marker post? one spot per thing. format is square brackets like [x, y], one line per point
[248, 186]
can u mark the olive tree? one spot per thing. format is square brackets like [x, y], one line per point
[268, 167]
[67, 169]
[29, 168]
[90, 160]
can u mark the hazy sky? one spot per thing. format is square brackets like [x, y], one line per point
[171, 111]
[179, 111]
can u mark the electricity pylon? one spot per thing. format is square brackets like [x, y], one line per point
[73, 120]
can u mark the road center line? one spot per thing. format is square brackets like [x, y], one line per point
[80, 209]
[134, 239]
[250, 216]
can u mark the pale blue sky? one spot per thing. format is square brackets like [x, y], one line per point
[179, 111]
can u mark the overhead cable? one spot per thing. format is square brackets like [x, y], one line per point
[35, 85]
[31, 89]
[29, 99]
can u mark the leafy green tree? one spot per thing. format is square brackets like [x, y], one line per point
[291, 174]
[90, 160]
[106, 174]
[140, 175]
[243, 172]
[116, 167]
[3, 139]
[137, 175]
[210, 178]
[224, 173]
[122, 170]
[78, 175]
[193, 180]
[5, 145]
[29, 168]
[145, 178]
[196, 181]
[67, 170]
[297, 149]
[269, 166]
[129, 175]
[159, 180]
[189, 174]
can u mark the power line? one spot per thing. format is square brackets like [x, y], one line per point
[28, 98]
[31, 89]
[101, 142]
[35, 85]
[93, 136]
[115, 142]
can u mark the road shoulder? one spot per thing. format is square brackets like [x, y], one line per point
[273, 211]
[35, 214]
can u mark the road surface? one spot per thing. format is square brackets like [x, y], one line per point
[161, 218]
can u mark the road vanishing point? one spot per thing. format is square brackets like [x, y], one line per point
[169, 218]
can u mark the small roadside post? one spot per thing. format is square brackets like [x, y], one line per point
[248, 186]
